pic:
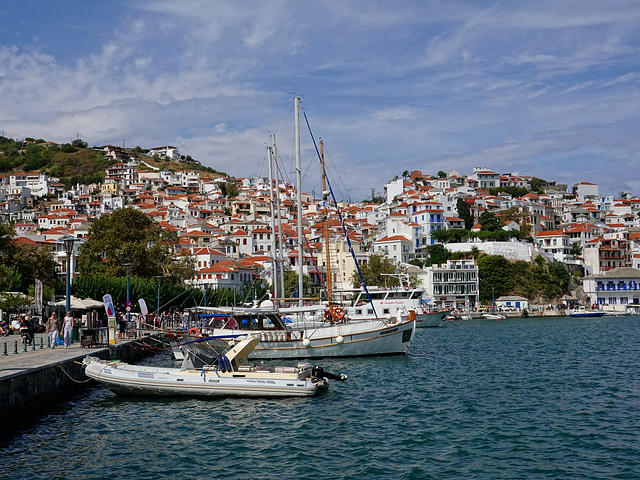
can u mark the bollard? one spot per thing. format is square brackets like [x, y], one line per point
[16, 348]
[41, 343]
[33, 344]
[49, 342]
[5, 349]
[25, 346]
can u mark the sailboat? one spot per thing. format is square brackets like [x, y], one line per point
[285, 334]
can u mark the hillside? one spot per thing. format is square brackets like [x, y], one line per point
[76, 163]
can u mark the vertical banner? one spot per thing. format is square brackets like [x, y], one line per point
[143, 307]
[38, 296]
[111, 317]
[144, 311]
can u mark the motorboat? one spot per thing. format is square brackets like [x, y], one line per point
[230, 374]
[584, 312]
[390, 301]
[493, 316]
[282, 336]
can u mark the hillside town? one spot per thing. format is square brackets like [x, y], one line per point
[234, 238]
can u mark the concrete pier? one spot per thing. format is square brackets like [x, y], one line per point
[41, 376]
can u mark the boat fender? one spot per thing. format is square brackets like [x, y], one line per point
[306, 342]
[227, 364]
[340, 339]
[194, 331]
[221, 364]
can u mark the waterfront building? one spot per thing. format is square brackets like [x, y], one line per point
[454, 283]
[615, 289]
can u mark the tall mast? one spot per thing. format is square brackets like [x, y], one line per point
[325, 202]
[280, 247]
[274, 261]
[299, 198]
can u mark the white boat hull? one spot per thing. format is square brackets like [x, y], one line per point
[353, 339]
[123, 378]
[432, 319]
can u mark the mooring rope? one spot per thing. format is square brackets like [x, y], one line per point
[77, 381]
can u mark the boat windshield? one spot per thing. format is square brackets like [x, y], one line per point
[259, 322]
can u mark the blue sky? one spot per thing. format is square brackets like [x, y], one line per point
[543, 88]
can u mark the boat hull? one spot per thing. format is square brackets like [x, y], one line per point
[432, 319]
[125, 379]
[587, 314]
[354, 339]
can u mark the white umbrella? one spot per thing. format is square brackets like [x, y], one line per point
[78, 303]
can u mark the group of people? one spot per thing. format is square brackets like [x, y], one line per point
[55, 326]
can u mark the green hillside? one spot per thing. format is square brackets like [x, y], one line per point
[76, 163]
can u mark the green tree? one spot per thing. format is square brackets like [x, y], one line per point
[376, 271]
[442, 174]
[496, 276]
[576, 250]
[464, 212]
[489, 222]
[229, 189]
[440, 235]
[79, 143]
[438, 254]
[129, 236]
[291, 284]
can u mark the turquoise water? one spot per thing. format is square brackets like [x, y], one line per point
[512, 399]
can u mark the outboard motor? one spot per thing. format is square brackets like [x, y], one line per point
[320, 373]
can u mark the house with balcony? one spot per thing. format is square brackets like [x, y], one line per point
[554, 244]
[169, 152]
[615, 289]
[455, 283]
[396, 248]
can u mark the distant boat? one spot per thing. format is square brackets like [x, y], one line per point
[583, 312]
[493, 316]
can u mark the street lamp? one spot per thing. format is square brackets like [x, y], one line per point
[159, 280]
[127, 268]
[68, 248]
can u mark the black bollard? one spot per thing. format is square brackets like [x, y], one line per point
[5, 349]
[16, 348]
[41, 343]
[25, 346]
[33, 344]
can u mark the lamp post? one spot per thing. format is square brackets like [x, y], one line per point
[127, 268]
[68, 248]
[159, 280]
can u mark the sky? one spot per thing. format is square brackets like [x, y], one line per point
[544, 88]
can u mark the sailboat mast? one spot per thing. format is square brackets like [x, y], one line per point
[274, 261]
[279, 249]
[299, 198]
[325, 202]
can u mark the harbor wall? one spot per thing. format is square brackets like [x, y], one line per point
[27, 393]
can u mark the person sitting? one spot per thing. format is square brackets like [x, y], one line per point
[4, 328]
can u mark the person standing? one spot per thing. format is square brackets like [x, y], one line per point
[53, 325]
[68, 326]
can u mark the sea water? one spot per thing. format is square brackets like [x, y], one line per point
[536, 398]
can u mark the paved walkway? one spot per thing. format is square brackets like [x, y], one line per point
[13, 363]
